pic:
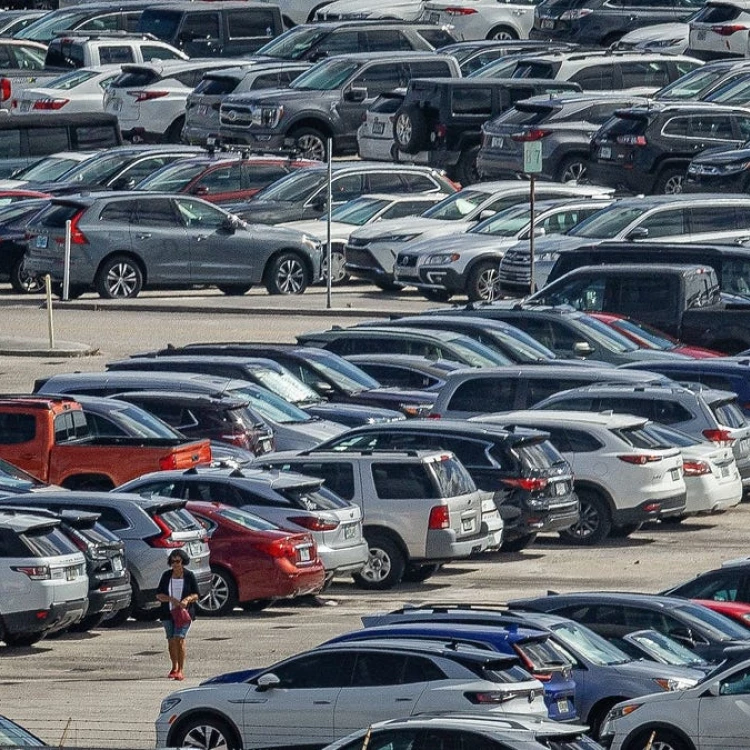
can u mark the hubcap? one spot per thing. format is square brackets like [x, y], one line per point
[337, 262]
[588, 522]
[487, 284]
[673, 186]
[312, 147]
[205, 737]
[29, 283]
[503, 36]
[575, 171]
[122, 280]
[291, 277]
[378, 566]
[403, 129]
[218, 594]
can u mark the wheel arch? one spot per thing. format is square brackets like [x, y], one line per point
[126, 254]
[393, 535]
[629, 743]
[507, 24]
[311, 121]
[79, 481]
[203, 713]
[597, 489]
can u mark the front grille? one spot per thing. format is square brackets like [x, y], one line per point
[236, 116]
[406, 261]
[361, 258]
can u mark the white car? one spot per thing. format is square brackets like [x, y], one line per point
[483, 19]
[322, 695]
[360, 10]
[149, 98]
[661, 37]
[48, 169]
[356, 213]
[80, 90]
[713, 715]
[720, 29]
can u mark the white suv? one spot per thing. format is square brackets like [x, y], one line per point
[720, 29]
[482, 19]
[622, 476]
[84, 50]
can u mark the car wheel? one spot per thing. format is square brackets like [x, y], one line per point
[311, 143]
[670, 181]
[257, 605]
[410, 130]
[221, 598]
[484, 282]
[663, 739]
[573, 169]
[466, 171]
[385, 565]
[340, 276]
[502, 34]
[436, 295]
[119, 277]
[234, 290]
[287, 275]
[419, 573]
[595, 521]
[204, 733]
[23, 282]
[20, 640]
[174, 132]
[518, 544]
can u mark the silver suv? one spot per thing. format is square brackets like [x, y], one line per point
[420, 508]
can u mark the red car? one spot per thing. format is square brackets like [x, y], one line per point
[648, 337]
[13, 195]
[221, 178]
[737, 611]
[253, 561]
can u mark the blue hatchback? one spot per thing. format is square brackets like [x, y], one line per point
[534, 649]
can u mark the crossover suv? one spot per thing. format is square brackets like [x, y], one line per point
[531, 484]
[327, 101]
[420, 508]
[728, 583]
[122, 242]
[286, 499]
[360, 682]
[648, 149]
[623, 475]
[716, 30]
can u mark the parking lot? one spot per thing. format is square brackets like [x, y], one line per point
[103, 688]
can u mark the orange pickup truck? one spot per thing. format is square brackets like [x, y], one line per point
[49, 438]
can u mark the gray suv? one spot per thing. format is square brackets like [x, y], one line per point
[123, 241]
[327, 101]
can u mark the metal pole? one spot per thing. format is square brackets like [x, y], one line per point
[66, 264]
[532, 180]
[329, 201]
[50, 322]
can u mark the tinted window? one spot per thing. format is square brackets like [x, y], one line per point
[71, 425]
[338, 476]
[251, 23]
[92, 137]
[46, 542]
[653, 73]
[213, 492]
[727, 586]
[340, 43]
[581, 442]
[378, 79]
[382, 182]
[258, 176]
[385, 40]
[715, 127]
[115, 55]
[378, 669]
[401, 481]
[43, 141]
[596, 78]
[199, 26]
[156, 213]
[118, 211]
[471, 101]
[221, 180]
[484, 395]
[428, 69]
[10, 143]
[325, 670]
[152, 52]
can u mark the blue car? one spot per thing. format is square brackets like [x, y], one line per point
[534, 649]
[603, 674]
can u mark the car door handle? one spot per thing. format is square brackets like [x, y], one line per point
[321, 703]
[145, 236]
[404, 700]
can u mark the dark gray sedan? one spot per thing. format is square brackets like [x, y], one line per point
[123, 242]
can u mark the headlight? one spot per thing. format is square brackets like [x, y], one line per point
[622, 710]
[661, 43]
[546, 256]
[675, 683]
[396, 238]
[266, 115]
[168, 704]
[440, 258]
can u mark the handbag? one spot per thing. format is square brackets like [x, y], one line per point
[181, 617]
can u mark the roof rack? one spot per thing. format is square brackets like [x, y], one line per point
[116, 34]
[215, 146]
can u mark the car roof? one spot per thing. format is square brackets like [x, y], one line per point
[553, 371]
[442, 629]
[419, 333]
[172, 66]
[93, 499]
[619, 269]
[654, 388]
[438, 647]
[667, 106]
[608, 420]
[394, 55]
[271, 478]
[655, 601]
[185, 397]
[183, 5]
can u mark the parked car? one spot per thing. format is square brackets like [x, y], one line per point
[13, 220]
[15, 734]
[730, 582]
[482, 20]
[171, 235]
[713, 30]
[254, 562]
[288, 500]
[405, 370]
[718, 170]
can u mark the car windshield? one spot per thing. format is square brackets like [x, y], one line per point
[508, 223]
[653, 337]
[325, 76]
[477, 355]
[284, 384]
[172, 178]
[292, 44]
[457, 206]
[607, 223]
[359, 211]
[663, 649]
[12, 735]
[523, 350]
[541, 654]
[713, 624]
[606, 336]
[271, 407]
[94, 171]
[48, 26]
[735, 93]
[347, 376]
[294, 188]
[47, 170]
[691, 84]
[501, 68]
[70, 80]
[587, 644]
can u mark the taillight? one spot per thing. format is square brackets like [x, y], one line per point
[728, 29]
[532, 134]
[168, 463]
[632, 140]
[240, 439]
[50, 104]
[723, 437]
[34, 572]
[441, 129]
[279, 548]
[163, 539]
[439, 518]
[434, 415]
[5, 89]
[315, 524]
[640, 459]
[460, 11]
[491, 696]
[695, 468]
[144, 96]
[531, 485]
[77, 237]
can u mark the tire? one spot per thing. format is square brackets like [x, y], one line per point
[257, 605]
[484, 282]
[625, 530]
[119, 277]
[234, 290]
[174, 132]
[663, 740]
[204, 733]
[221, 598]
[466, 171]
[310, 143]
[22, 640]
[340, 276]
[670, 181]
[24, 283]
[595, 522]
[574, 168]
[419, 573]
[436, 295]
[518, 544]
[87, 623]
[288, 274]
[410, 130]
[385, 565]
[502, 34]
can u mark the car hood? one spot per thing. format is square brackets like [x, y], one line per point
[269, 212]
[318, 228]
[465, 242]
[723, 156]
[555, 243]
[657, 32]
[654, 670]
[281, 95]
[410, 225]
[354, 414]
[239, 676]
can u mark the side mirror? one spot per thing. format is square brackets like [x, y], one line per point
[319, 202]
[583, 349]
[486, 214]
[267, 682]
[714, 689]
[639, 233]
[229, 225]
[322, 387]
[539, 231]
[356, 94]
[123, 183]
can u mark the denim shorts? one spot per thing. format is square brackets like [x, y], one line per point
[175, 632]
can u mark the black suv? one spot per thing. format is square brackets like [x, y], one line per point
[327, 101]
[648, 149]
[565, 125]
[531, 482]
[719, 171]
[440, 120]
[602, 22]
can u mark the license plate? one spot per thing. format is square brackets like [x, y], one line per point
[562, 706]
[675, 474]
[108, 607]
[350, 531]
[41, 241]
[304, 554]
[202, 109]
[378, 128]
[497, 141]
[117, 564]
[560, 488]
[71, 574]
[265, 446]
[433, 17]
[701, 35]
[467, 524]
[605, 152]
[194, 548]
[548, 23]
[116, 104]
[724, 471]
[25, 106]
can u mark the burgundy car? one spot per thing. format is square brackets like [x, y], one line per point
[254, 562]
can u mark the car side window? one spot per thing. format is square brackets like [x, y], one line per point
[647, 73]
[155, 52]
[559, 439]
[110, 518]
[595, 78]
[399, 377]
[10, 143]
[44, 141]
[713, 127]
[573, 404]
[373, 669]
[200, 26]
[413, 183]
[638, 407]
[471, 453]
[11, 545]
[736, 684]
[726, 587]
[109, 22]
[213, 492]
[401, 481]
[677, 126]
[346, 187]
[340, 43]
[637, 293]
[484, 394]
[156, 212]
[118, 211]
[324, 670]
[385, 40]
[260, 175]
[430, 69]
[197, 215]
[670, 412]
[471, 100]
[711, 219]
[221, 180]
[666, 223]
[116, 54]
[268, 81]
[102, 427]
[338, 476]
[144, 167]
[385, 182]
[250, 24]
[392, 739]
[582, 442]
[378, 79]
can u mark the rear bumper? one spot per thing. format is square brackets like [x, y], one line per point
[443, 544]
[613, 175]
[343, 561]
[651, 510]
[110, 597]
[57, 617]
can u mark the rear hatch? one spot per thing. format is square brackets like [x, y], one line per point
[202, 106]
[560, 15]
[127, 91]
[179, 528]
[718, 27]
[523, 118]
[456, 487]
[548, 477]
[618, 140]
[733, 427]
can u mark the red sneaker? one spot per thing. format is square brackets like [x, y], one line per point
[179, 676]
[172, 674]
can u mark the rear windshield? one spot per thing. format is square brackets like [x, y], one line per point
[216, 86]
[97, 534]
[457, 206]
[640, 436]
[624, 125]
[541, 654]
[717, 13]
[525, 115]
[500, 671]
[64, 53]
[135, 78]
[728, 413]
[46, 542]
[538, 456]
[387, 104]
[452, 477]
[179, 519]
[312, 499]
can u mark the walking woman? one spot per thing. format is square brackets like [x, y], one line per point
[178, 590]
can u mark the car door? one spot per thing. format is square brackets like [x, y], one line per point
[221, 184]
[300, 710]
[724, 719]
[200, 34]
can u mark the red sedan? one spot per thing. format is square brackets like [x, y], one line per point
[648, 337]
[254, 562]
[737, 611]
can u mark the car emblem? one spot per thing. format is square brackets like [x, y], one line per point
[232, 115]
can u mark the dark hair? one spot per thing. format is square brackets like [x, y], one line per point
[181, 554]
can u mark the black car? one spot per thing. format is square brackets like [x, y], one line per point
[603, 22]
[647, 149]
[565, 124]
[615, 613]
[531, 482]
[405, 370]
[441, 119]
[13, 220]
[719, 171]
[729, 583]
